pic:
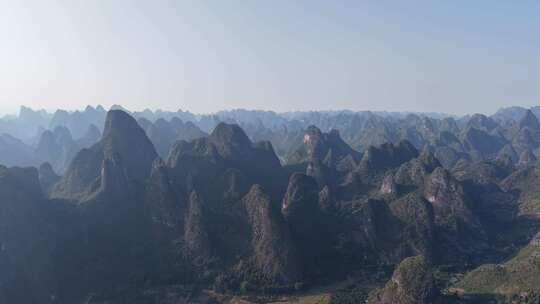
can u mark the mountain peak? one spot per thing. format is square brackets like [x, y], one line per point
[123, 135]
[388, 155]
[89, 108]
[230, 140]
[119, 122]
[529, 120]
[481, 121]
[47, 176]
[46, 141]
[327, 148]
[122, 138]
[63, 135]
[312, 131]
[118, 107]
[90, 137]
[230, 133]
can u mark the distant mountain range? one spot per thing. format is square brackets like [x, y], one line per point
[24, 139]
[257, 207]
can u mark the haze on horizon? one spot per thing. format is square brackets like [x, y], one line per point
[454, 57]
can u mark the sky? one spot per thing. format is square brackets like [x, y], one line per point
[203, 56]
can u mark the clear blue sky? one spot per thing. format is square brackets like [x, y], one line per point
[447, 56]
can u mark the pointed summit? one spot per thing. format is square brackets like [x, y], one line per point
[119, 122]
[118, 107]
[530, 121]
[326, 155]
[91, 136]
[482, 122]
[327, 146]
[188, 131]
[123, 135]
[414, 171]
[47, 148]
[229, 139]
[89, 108]
[225, 132]
[122, 138]
[62, 135]
[47, 176]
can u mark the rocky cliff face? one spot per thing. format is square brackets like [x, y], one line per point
[274, 251]
[197, 241]
[166, 205]
[301, 210]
